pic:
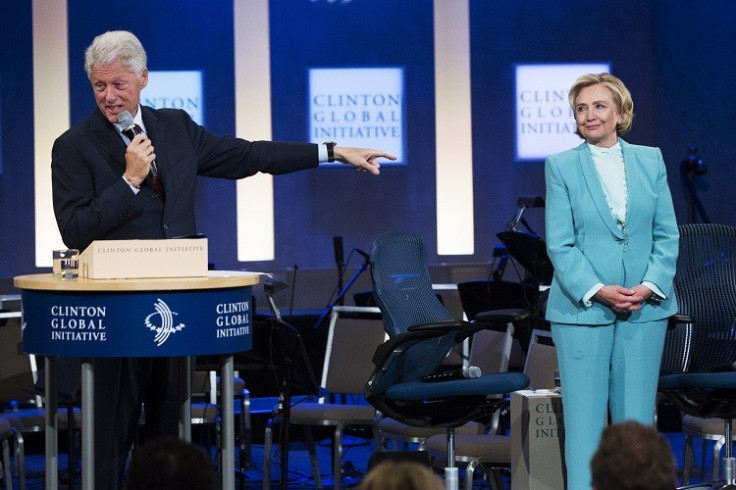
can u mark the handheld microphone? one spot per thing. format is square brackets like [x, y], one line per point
[128, 129]
[128, 125]
[471, 372]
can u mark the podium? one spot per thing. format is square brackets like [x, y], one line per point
[159, 317]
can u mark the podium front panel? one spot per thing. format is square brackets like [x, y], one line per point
[137, 324]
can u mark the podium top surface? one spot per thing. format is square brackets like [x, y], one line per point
[213, 280]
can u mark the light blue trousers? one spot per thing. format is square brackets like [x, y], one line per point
[604, 369]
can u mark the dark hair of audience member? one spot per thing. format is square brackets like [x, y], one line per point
[168, 463]
[403, 475]
[632, 456]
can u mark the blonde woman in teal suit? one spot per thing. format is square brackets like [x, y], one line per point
[612, 238]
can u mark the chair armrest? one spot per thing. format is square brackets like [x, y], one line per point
[464, 329]
[681, 318]
[677, 319]
[399, 343]
[509, 315]
[420, 332]
[443, 327]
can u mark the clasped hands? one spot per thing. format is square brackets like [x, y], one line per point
[623, 300]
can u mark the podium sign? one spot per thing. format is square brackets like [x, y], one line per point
[137, 324]
[537, 435]
[126, 259]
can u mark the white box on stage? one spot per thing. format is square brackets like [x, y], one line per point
[138, 259]
[537, 435]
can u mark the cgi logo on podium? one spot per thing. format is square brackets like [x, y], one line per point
[145, 324]
[166, 328]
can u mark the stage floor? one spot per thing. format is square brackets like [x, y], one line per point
[355, 461]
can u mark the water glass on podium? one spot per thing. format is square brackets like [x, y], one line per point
[66, 264]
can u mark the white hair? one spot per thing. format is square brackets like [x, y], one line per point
[114, 46]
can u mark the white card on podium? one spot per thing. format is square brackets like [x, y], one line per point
[133, 259]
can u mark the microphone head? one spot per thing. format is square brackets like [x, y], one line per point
[126, 120]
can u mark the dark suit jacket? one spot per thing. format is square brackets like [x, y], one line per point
[93, 202]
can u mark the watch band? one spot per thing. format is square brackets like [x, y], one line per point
[330, 145]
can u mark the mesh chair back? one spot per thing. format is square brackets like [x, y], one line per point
[705, 286]
[402, 289]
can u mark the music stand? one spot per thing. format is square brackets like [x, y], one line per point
[531, 252]
[287, 357]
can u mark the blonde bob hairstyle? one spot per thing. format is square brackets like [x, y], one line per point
[621, 97]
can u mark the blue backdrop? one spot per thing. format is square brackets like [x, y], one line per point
[678, 57]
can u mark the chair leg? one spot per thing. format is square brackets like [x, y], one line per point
[313, 457]
[243, 438]
[267, 438]
[469, 470]
[717, 448]
[729, 463]
[20, 458]
[337, 455]
[5, 471]
[450, 447]
[377, 438]
[688, 460]
[495, 478]
[451, 478]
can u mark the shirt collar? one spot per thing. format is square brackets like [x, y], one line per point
[598, 151]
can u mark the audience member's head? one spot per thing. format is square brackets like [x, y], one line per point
[632, 456]
[404, 475]
[169, 463]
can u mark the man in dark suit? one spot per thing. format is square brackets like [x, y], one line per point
[109, 186]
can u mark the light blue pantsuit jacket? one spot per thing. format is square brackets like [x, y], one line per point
[586, 247]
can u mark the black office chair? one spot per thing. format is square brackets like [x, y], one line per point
[421, 333]
[699, 362]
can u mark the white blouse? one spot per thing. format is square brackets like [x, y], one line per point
[609, 163]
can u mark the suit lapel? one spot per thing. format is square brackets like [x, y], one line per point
[108, 140]
[631, 164]
[593, 184]
[156, 133]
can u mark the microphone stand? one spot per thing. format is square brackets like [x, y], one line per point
[340, 272]
[289, 364]
[690, 168]
[341, 294]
